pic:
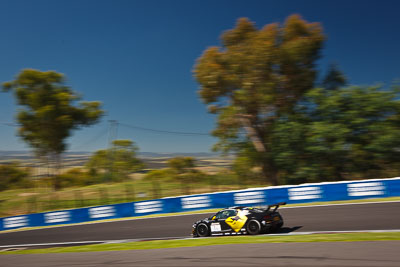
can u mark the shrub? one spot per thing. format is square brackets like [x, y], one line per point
[14, 176]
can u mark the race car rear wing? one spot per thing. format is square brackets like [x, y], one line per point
[275, 206]
[264, 208]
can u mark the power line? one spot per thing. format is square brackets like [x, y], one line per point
[92, 140]
[113, 132]
[9, 124]
[137, 128]
[76, 147]
[163, 131]
[114, 128]
[112, 136]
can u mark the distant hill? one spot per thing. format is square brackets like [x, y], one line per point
[4, 154]
[206, 161]
[176, 154]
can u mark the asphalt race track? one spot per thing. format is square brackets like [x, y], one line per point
[375, 216]
[380, 253]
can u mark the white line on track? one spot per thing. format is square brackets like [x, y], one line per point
[339, 232]
[183, 238]
[92, 242]
[53, 244]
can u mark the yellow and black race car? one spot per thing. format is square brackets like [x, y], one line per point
[240, 220]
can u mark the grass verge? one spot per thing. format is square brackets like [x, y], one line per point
[343, 237]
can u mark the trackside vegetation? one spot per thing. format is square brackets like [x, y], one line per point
[276, 114]
[49, 112]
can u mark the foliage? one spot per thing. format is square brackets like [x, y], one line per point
[160, 175]
[246, 165]
[254, 78]
[74, 195]
[181, 164]
[49, 113]
[350, 132]
[118, 161]
[13, 176]
[260, 83]
[334, 78]
[77, 177]
[183, 168]
[184, 171]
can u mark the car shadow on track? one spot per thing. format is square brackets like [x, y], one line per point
[286, 230]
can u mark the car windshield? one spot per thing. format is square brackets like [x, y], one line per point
[223, 214]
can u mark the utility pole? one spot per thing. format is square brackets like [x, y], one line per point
[112, 132]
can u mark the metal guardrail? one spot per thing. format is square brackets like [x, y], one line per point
[303, 193]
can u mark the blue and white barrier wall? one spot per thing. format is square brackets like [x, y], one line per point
[304, 193]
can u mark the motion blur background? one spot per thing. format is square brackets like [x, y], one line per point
[287, 104]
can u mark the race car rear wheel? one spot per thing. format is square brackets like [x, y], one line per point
[253, 227]
[202, 230]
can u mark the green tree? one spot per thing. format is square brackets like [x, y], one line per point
[49, 112]
[156, 177]
[117, 162]
[245, 165]
[182, 164]
[183, 168]
[349, 132]
[334, 78]
[254, 78]
[357, 128]
[242, 166]
[13, 176]
[76, 177]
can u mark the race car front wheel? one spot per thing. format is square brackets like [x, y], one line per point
[253, 227]
[202, 230]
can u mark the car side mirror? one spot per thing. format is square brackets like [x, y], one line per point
[212, 218]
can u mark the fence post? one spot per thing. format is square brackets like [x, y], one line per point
[185, 188]
[32, 204]
[103, 196]
[241, 181]
[79, 202]
[216, 183]
[129, 192]
[156, 189]
[53, 201]
[210, 182]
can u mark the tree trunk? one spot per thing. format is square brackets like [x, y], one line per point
[56, 183]
[269, 172]
[252, 133]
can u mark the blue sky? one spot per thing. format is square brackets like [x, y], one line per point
[137, 57]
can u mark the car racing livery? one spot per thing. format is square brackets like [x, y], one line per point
[240, 220]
